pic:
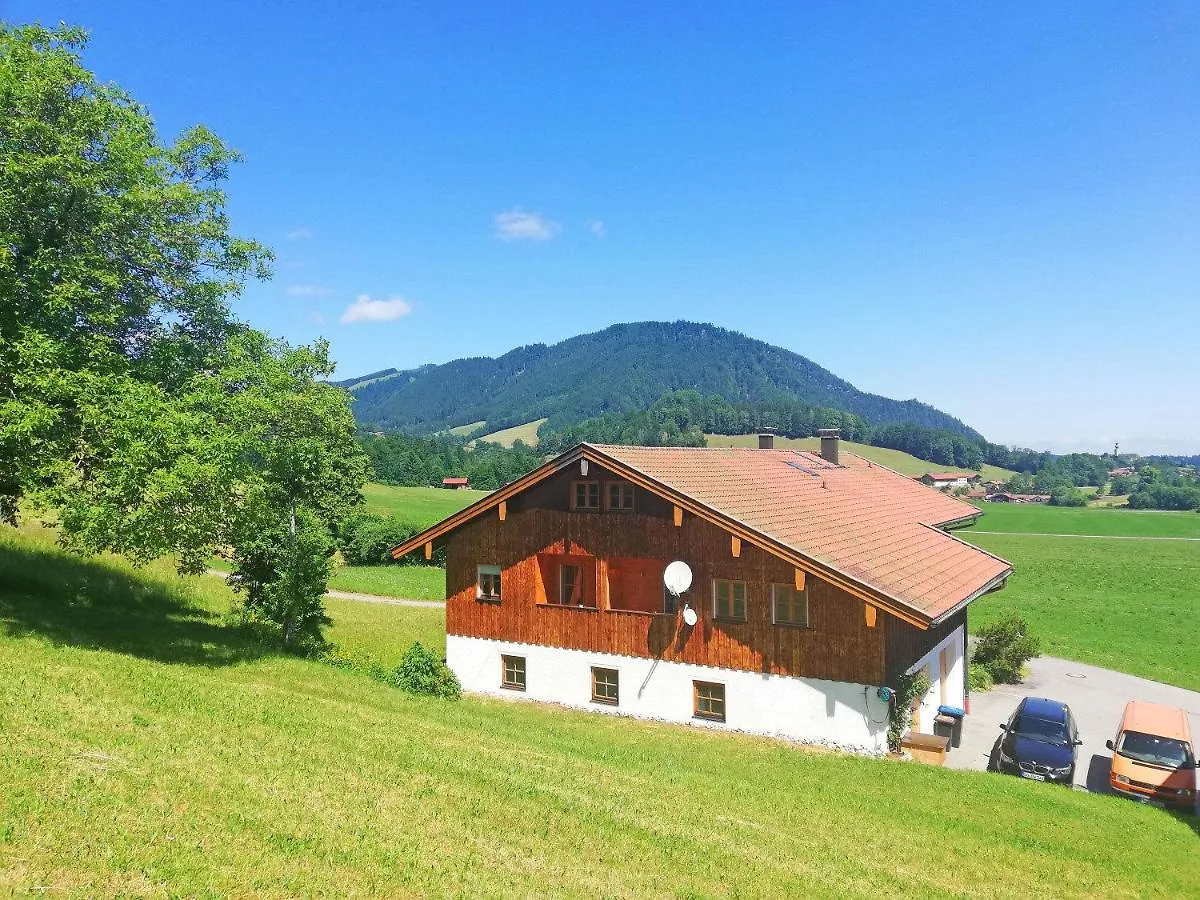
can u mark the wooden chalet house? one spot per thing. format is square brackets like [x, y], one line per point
[816, 580]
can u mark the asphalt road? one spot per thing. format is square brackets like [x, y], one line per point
[1097, 698]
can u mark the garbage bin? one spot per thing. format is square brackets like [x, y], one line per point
[956, 714]
[943, 726]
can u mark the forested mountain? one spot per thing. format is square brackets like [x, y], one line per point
[618, 370]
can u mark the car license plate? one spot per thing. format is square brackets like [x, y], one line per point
[1034, 775]
[1149, 801]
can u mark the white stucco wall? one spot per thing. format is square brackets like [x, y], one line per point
[955, 645]
[802, 709]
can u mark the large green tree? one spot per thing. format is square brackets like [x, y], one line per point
[132, 402]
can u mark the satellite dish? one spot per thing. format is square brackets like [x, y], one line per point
[678, 577]
[689, 616]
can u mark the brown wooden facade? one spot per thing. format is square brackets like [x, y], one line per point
[621, 556]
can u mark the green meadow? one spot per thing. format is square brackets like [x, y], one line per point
[419, 505]
[151, 748]
[1041, 518]
[1119, 592]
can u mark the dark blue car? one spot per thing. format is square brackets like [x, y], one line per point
[1039, 742]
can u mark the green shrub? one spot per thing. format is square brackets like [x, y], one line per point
[979, 680]
[422, 671]
[909, 691]
[367, 539]
[1003, 649]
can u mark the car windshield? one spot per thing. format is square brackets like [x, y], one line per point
[1157, 751]
[1041, 730]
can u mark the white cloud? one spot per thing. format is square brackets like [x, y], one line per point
[364, 309]
[596, 227]
[517, 225]
[299, 234]
[307, 290]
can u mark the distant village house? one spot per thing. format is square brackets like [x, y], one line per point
[945, 481]
[456, 484]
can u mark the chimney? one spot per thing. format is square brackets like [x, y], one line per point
[766, 441]
[829, 444]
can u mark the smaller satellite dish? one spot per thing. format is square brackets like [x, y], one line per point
[678, 577]
[689, 616]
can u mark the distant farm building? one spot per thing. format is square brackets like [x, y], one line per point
[1122, 472]
[456, 484]
[945, 481]
[1007, 497]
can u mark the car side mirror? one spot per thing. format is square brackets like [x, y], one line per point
[1109, 745]
[1004, 726]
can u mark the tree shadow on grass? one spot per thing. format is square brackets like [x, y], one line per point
[96, 605]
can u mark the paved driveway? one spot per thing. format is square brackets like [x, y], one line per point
[1096, 696]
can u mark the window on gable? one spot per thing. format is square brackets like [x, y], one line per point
[605, 686]
[585, 495]
[709, 698]
[514, 672]
[620, 496]
[729, 600]
[488, 585]
[790, 606]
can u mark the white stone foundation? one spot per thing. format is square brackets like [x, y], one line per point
[800, 709]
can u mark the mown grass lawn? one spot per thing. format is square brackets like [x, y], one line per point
[150, 748]
[1040, 518]
[404, 582]
[418, 505]
[1129, 605]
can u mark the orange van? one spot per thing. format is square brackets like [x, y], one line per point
[1153, 758]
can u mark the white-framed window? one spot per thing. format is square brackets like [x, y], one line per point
[729, 600]
[619, 496]
[789, 606]
[585, 495]
[487, 584]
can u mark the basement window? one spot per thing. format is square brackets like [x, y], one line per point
[729, 600]
[585, 495]
[488, 585]
[620, 496]
[513, 677]
[709, 698]
[790, 606]
[605, 686]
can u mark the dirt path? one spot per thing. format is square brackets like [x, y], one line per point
[361, 598]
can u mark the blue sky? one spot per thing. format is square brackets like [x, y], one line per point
[991, 207]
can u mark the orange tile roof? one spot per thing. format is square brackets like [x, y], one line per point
[867, 522]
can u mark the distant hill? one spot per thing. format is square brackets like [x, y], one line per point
[617, 370]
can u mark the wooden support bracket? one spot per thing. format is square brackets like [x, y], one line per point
[503, 510]
[799, 579]
[736, 545]
[678, 516]
[870, 612]
[429, 549]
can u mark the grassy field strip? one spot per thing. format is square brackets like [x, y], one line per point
[1093, 537]
[419, 505]
[526, 432]
[1039, 518]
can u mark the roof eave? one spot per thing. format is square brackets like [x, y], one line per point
[994, 585]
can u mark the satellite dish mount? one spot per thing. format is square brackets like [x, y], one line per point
[676, 579]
